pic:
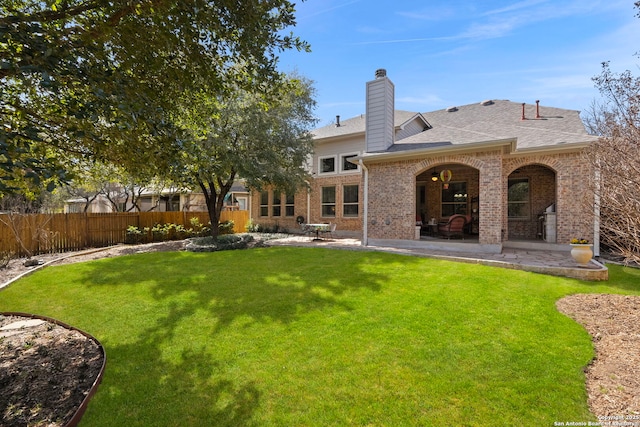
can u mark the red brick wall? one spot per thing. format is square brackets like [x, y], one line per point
[542, 193]
[315, 212]
[392, 195]
[572, 194]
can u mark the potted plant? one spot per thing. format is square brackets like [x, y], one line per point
[581, 251]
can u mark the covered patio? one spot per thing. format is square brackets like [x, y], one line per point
[448, 190]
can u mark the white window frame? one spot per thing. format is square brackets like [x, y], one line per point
[342, 160]
[356, 203]
[335, 165]
[328, 204]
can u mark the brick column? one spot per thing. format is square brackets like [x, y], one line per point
[492, 201]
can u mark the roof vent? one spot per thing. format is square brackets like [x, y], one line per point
[451, 109]
[486, 102]
[380, 73]
[337, 121]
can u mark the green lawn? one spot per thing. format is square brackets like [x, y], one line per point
[318, 337]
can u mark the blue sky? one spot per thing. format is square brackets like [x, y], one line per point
[443, 53]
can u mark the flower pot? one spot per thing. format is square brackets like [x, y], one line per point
[582, 253]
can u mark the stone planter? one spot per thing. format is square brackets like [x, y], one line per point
[582, 253]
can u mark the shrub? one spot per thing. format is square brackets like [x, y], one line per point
[170, 231]
[252, 227]
[160, 232]
[133, 235]
[195, 223]
[221, 243]
[5, 257]
[226, 227]
[257, 228]
[198, 229]
[146, 235]
[276, 228]
[175, 231]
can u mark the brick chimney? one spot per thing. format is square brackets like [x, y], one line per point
[380, 129]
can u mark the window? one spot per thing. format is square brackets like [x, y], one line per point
[172, 204]
[328, 201]
[264, 203]
[347, 165]
[350, 200]
[276, 208]
[289, 204]
[518, 198]
[75, 208]
[454, 199]
[327, 165]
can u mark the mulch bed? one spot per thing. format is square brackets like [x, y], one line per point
[613, 377]
[46, 371]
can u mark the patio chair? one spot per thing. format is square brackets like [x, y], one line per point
[306, 230]
[329, 231]
[454, 227]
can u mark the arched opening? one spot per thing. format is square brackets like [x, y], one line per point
[446, 190]
[531, 204]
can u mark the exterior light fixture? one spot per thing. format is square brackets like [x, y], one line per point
[434, 176]
[445, 177]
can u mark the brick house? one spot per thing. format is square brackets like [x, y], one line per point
[514, 171]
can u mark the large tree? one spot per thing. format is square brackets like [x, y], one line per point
[263, 138]
[616, 119]
[122, 189]
[615, 158]
[103, 79]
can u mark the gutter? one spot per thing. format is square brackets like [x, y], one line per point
[308, 203]
[573, 146]
[458, 148]
[510, 144]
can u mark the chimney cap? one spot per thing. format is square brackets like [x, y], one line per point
[381, 72]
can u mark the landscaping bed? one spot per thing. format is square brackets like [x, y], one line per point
[48, 371]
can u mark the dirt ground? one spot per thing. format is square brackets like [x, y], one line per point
[612, 378]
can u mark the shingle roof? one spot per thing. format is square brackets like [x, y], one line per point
[482, 122]
[357, 125]
[503, 120]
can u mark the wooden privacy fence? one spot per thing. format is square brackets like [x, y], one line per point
[46, 233]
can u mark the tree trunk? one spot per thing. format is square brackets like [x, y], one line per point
[215, 200]
[211, 199]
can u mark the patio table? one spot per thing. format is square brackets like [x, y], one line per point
[318, 228]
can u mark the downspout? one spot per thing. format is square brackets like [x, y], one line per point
[365, 210]
[308, 203]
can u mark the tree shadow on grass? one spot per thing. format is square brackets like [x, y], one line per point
[258, 284]
[235, 289]
[142, 389]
